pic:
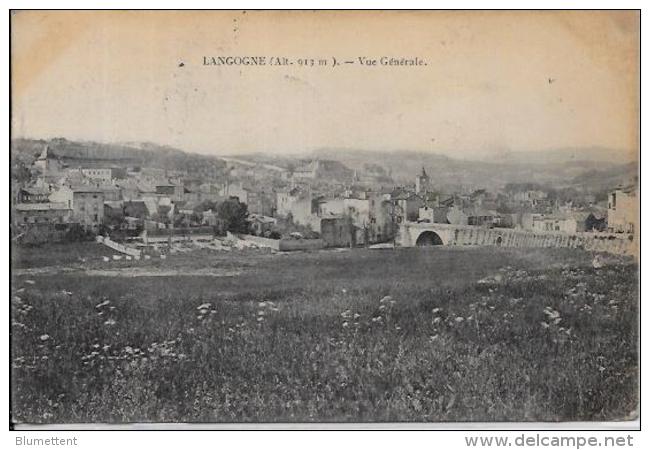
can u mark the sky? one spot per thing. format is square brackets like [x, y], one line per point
[493, 81]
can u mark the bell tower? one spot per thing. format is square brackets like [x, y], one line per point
[422, 183]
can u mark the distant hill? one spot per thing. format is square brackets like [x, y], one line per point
[596, 180]
[590, 169]
[559, 169]
[93, 154]
[587, 168]
[580, 155]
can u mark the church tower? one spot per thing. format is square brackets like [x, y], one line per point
[422, 183]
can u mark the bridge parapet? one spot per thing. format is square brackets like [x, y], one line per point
[411, 234]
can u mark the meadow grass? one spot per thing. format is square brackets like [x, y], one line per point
[436, 334]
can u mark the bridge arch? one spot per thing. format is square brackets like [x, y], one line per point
[428, 238]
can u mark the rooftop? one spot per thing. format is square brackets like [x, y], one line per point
[41, 206]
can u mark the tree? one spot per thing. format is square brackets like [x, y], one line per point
[234, 214]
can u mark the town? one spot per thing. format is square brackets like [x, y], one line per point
[60, 195]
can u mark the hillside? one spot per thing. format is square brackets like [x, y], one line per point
[93, 154]
[560, 169]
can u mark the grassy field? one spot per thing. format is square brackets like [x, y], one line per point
[438, 334]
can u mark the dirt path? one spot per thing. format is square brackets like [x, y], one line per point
[129, 272]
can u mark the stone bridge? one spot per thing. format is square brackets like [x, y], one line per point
[411, 234]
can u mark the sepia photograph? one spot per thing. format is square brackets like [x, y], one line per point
[328, 218]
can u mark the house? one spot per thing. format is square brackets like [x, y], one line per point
[260, 224]
[338, 231]
[430, 214]
[47, 162]
[236, 190]
[261, 202]
[527, 220]
[622, 210]
[323, 169]
[209, 218]
[567, 222]
[34, 194]
[111, 192]
[482, 217]
[35, 213]
[530, 196]
[86, 202]
[104, 175]
[138, 209]
[406, 206]
[175, 192]
[297, 203]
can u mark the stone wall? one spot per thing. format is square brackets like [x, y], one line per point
[119, 247]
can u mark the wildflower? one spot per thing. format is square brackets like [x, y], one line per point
[204, 306]
[433, 338]
[102, 304]
[345, 291]
[356, 316]
[397, 327]
[345, 324]
[346, 314]
[128, 349]
[203, 311]
[260, 319]
[260, 313]
[44, 337]
[382, 307]
[109, 322]
[437, 319]
[544, 325]
[459, 319]
[386, 299]
[376, 319]
[551, 313]
[261, 304]
[30, 282]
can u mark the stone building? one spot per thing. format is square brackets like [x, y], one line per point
[622, 210]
